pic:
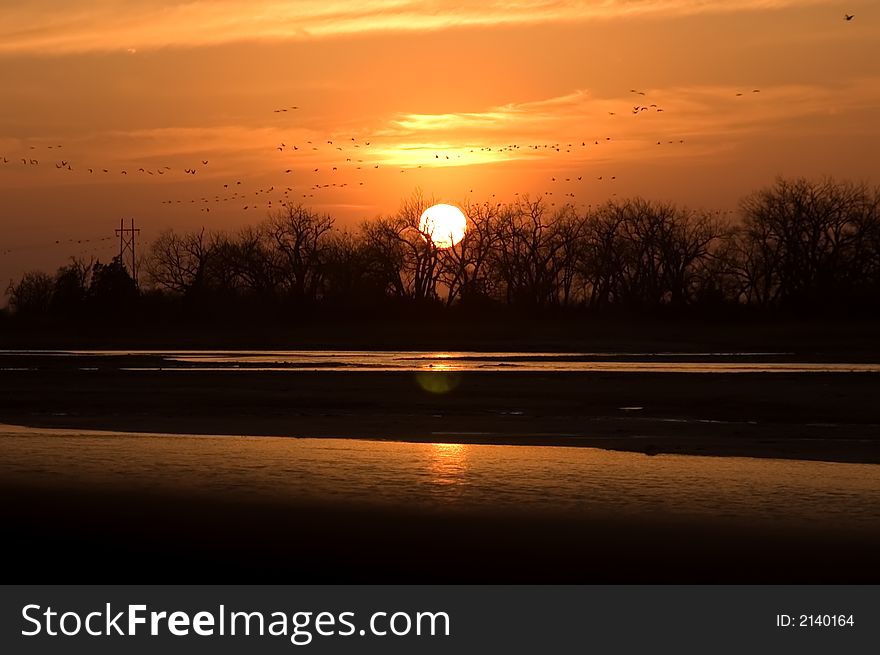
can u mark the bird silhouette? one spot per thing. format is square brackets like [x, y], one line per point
[848, 16]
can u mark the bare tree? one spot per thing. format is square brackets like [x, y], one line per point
[601, 259]
[180, 262]
[300, 240]
[248, 263]
[806, 242]
[32, 294]
[527, 256]
[71, 285]
[405, 257]
[464, 266]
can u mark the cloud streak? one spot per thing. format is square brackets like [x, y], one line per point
[52, 27]
[709, 118]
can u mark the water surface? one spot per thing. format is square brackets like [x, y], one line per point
[451, 477]
[396, 360]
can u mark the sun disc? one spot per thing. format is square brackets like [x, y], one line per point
[444, 224]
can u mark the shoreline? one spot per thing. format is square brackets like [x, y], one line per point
[860, 449]
[186, 517]
[350, 514]
[824, 416]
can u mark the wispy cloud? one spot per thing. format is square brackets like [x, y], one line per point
[579, 127]
[68, 26]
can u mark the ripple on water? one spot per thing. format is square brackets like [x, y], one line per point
[452, 476]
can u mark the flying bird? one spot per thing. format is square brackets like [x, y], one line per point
[849, 16]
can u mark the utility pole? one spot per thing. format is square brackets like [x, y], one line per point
[126, 245]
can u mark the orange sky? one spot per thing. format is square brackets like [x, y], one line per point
[432, 86]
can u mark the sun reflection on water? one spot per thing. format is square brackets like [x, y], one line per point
[448, 463]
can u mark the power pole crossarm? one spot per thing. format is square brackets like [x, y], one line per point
[127, 246]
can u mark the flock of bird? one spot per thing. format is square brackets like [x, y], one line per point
[353, 157]
[88, 246]
[347, 165]
[353, 161]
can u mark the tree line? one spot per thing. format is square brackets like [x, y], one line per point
[798, 245]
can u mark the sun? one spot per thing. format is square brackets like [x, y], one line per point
[444, 224]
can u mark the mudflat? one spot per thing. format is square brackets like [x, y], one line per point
[86, 526]
[819, 416]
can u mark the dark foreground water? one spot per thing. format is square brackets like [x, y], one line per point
[115, 507]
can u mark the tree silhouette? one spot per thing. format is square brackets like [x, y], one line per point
[810, 244]
[300, 239]
[112, 288]
[71, 287]
[32, 295]
[806, 246]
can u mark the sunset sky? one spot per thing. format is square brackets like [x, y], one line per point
[448, 96]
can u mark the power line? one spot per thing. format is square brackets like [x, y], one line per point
[127, 245]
